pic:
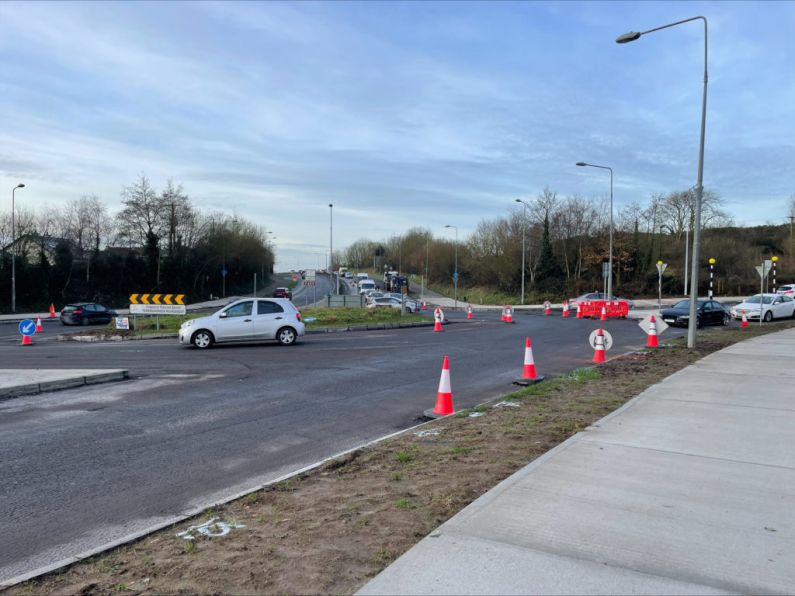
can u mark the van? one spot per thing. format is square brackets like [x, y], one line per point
[361, 276]
[366, 285]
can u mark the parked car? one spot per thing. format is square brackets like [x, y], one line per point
[86, 313]
[246, 320]
[787, 290]
[361, 276]
[590, 296]
[775, 306]
[392, 303]
[283, 293]
[708, 312]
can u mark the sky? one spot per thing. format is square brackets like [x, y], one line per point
[401, 114]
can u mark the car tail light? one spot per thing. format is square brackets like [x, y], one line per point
[298, 315]
[77, 311]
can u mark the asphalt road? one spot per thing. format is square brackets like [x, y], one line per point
[81, 468]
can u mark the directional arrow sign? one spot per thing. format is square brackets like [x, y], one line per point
[162, 299]
[607, 338]
[27, 327]
[156, 299]
[658, 323]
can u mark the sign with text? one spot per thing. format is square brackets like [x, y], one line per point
[158, 309]
[157, 298]
[123, 323]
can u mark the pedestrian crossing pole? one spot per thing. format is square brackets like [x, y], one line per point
[775, 260]
[711, 275]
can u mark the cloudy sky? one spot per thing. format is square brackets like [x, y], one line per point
[401, 114]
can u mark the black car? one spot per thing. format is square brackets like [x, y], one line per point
[708, 312]
[86, 313]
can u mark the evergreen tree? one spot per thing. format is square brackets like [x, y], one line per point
[549, 275]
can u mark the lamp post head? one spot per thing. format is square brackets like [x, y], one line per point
[330, 205]
[581, 164]
[448, 226]
[20, 185]
[518, 200]
[627, 37]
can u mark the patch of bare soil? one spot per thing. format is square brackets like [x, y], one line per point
[332, 529]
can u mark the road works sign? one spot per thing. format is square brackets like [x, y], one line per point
[659, 324]
[157, 304]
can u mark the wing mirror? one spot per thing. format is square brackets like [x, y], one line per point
[222, 315]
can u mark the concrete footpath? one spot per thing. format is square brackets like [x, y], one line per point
[687, 489]
[16, 382]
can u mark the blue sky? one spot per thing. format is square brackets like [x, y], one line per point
[401, 114]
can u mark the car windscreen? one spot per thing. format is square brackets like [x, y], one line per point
[682, 304]
[755, 300]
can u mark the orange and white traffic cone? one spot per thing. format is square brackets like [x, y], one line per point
[469, 311]
[38, 325]
[529, 376]
[547, 309]
[502, 315]
[508, 314]
[424, 306]
[444, 396]
[437, 318]
[26, 341]
[599, 348]
[652, 342]
[52, 311]
[603, 317]
[744, 322]
[565, 309]
[579, 311]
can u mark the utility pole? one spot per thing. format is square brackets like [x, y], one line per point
[331, 245]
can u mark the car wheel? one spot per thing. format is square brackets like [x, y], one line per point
[768, 316]
[726, 319]
[286, 336]
[698, 322]
[202, 339]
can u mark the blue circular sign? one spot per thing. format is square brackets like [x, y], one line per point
[27, 327]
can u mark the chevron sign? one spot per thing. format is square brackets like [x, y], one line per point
[157, 304]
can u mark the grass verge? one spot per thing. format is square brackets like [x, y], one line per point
[345, 317]
[331, 529]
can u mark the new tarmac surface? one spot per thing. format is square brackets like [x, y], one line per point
[82, 468]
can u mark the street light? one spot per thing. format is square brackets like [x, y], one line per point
[14, 250]
[524, 225]
[691, 326]
[582, 164]
[455, 273]
[331, 245]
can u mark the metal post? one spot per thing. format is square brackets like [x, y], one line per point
[775, 260]
[632, 36]
[14, 249]
[255, 285]
[331, 246]
[687, 248]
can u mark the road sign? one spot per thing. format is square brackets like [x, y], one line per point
[158, 309]
[661, 267]
[27, 327]
[659, 324]
[309, 275]
[157, 298]
[762, 271]
[455, 275]
[607, 338]
[605, 269]
[123, 323]
[224, 272]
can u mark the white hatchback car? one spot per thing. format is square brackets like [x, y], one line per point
[246, 320]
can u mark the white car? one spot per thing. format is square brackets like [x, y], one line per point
[365, 285]
[775, 306]
[392, 303]
[361, 276]
[787, 290]
[246, 320]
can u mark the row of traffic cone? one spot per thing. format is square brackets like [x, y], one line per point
[26, 339]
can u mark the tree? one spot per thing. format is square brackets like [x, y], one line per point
[548, 271]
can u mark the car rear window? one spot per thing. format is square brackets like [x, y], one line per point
[69, 308]
[268, 308]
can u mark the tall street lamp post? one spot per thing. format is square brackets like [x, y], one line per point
[582, 164]
[455, 273]
[331, 245]
[14, 250]
[691, 327]
[524, 225]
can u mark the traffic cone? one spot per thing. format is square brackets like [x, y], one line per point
[565, 309]
[651, 342]
[444, 397]
[26, 341]
[424, 306]
[502, 315]
[579, 311]
[599, 348]
[52, 311]
[547, 309]
[508, 314]
[469, 311]
[744, 322]
[529, 376]
[437, 317]
[38, 325]
[604, 314]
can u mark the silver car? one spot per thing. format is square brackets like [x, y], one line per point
[246, 320]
